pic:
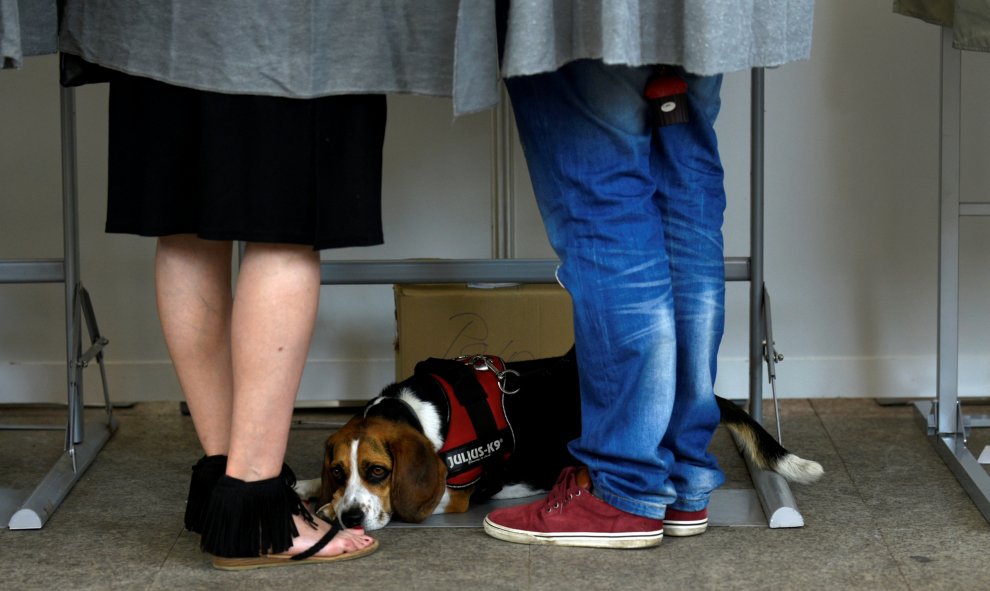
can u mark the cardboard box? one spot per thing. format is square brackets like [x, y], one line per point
[446, 321]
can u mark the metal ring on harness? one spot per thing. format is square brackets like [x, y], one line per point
[484, 363]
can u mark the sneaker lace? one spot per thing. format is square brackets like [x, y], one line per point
[565, 489]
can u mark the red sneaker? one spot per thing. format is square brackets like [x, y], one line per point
[685, 523]
[572, 516]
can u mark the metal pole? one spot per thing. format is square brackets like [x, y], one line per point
[503, 173]
[756, 245]
[70, 245]
[947, 364]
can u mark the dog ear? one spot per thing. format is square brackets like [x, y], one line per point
[418, 478]
[328, 485]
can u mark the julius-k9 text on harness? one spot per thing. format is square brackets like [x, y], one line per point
[477, 434]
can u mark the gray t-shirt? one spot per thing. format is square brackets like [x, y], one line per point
[308, 48]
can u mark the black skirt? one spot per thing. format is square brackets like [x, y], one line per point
[243, 167]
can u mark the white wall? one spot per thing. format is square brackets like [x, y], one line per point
[851, 225]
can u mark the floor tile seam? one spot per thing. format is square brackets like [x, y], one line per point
[874, 523]
[529, 568]
[835, 448]
[845, 466]
[890, 553]
[160, 572]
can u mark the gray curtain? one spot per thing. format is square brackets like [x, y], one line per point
[27, 27]
[969, 19]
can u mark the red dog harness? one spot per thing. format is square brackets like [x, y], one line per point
[478, 433]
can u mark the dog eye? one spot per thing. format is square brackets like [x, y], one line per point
[376, 473]
[337, 473]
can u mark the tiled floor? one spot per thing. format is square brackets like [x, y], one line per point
[888, 515]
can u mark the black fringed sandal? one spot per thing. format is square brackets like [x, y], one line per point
[249, 525]
[306, 557]
[205, 474]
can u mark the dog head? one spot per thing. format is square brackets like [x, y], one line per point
[374, 469]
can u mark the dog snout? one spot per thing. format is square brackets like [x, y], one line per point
[352, 517]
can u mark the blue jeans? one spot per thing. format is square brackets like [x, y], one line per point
[635, 215]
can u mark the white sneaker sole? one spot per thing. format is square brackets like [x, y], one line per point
[579, 539]
[683, 529]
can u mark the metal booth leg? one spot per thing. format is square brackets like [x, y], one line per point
[83, 441]
[944, 420]
[772, 489]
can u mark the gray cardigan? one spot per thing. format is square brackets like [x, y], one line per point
[307, 48]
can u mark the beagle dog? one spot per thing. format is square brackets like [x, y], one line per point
[408, 454]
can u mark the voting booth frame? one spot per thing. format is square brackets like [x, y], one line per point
[30, 508]
[943, 418]
[771, 502]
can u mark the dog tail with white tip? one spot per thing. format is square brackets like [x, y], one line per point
[763, 449]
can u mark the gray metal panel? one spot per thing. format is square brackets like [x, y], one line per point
[466, 271]
[974, 209]
[32, 271]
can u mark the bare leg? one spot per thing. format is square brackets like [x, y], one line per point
[240, 360]
[273, 317]
[274, 314]
[192, 281]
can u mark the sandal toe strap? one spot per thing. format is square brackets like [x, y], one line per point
[321, 543]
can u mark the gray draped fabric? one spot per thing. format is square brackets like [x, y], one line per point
[969, 19]
[704, 36]
[307, 48]
[293, 48]
[27, 27]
